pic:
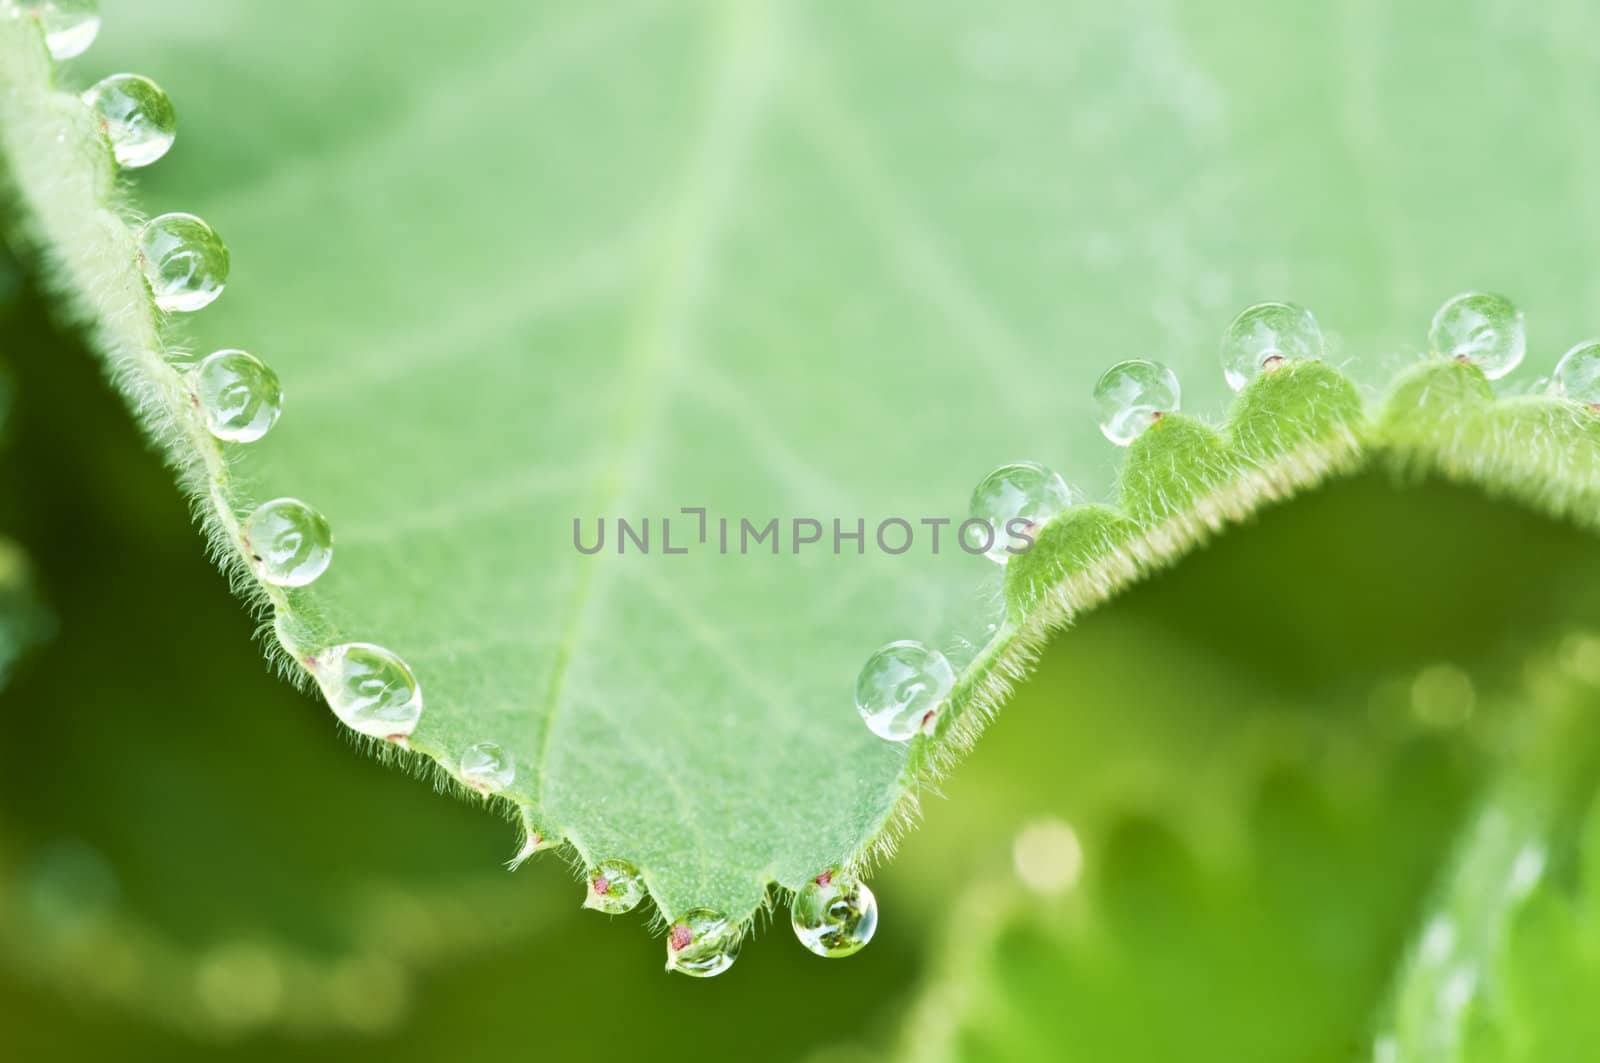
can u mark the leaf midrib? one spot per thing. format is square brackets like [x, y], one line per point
[742, 67]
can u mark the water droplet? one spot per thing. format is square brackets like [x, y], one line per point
[136, 116]
[901, 688]
[289, 543]
[70, 26]
[702, 943]
[1023, 491]
[184, 260]
[1134, 395]
[1485, 330]
[615, 886]
[369, 688]
[1578, 374]
[239, 396]
[487, 768]
[1264, 337]
[834, 915]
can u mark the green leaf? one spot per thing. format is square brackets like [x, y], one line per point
[275, 890]
[523, 269]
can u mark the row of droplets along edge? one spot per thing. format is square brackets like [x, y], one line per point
[904, 685]
[289, 544]
[238, 398]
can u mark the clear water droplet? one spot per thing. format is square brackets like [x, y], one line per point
[288, 543]
[1022, 491]
[1134, 395]
[1264, 337]
[184, 260]
[238, 395]
[487, 768]
[615, 886]
[901, 688]
[702, 943]
[137, 118]
[371, 689]
[1483, 329]
[834, 915]
[70, 26]
[1578, 374]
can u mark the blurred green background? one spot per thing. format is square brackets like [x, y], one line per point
[1266, 756]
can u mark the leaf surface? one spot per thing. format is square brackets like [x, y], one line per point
[783, 260]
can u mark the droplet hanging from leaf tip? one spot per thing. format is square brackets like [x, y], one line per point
[834, 915]
[1266, 336]
[289, 543]
[615, 887]
[137, 118]
[1009, 505]
[184, 260]
[702, 943]
[901, 689]
[1481, 329]
[1133, 396]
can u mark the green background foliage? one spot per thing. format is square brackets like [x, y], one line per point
[791, 257]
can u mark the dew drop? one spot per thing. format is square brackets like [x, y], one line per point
[702, 943]
[184, 260]
[487, 768]
[70, 26]
[901, 688]
[370, 689]
[1578, 374]
[137, 118]
[289, 543]
[1483, 329]
[1022, 491]
[834, 915]
[1264, 337]
[1134, 395]
[615, 886]
[239, 396]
